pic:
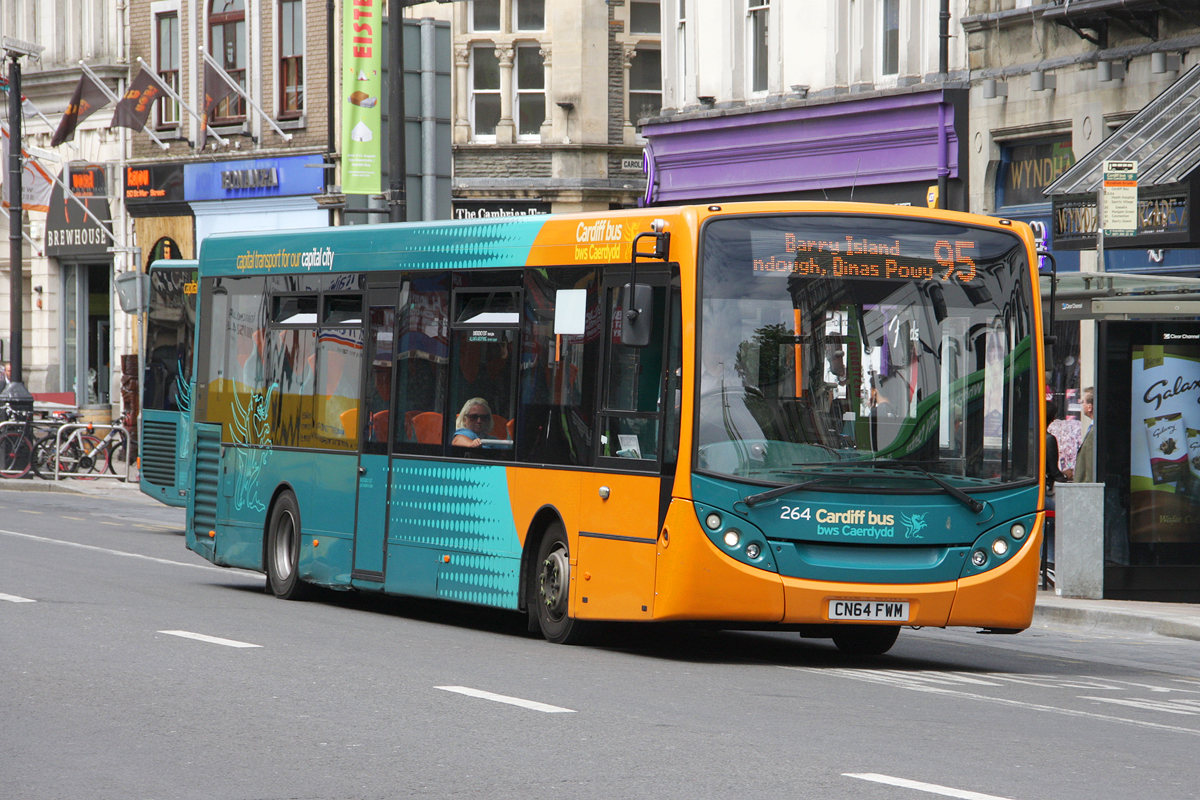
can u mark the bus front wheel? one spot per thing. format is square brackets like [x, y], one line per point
[866, 640]
[283, 550]
[551, 589]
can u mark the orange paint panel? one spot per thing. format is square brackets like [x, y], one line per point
[1002, 597]
[697, 581]
[808, 600]
[614, 579]
[530, 489]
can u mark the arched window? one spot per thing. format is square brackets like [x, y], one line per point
[227, 44]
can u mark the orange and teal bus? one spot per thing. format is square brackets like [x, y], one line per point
[811, 417]
[164, 433]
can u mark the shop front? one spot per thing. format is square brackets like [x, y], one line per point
[79, 242]
[162, 220]
[260, 194]
[879, 148]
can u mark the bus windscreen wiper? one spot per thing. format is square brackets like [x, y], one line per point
[754, 499]
[950, 489]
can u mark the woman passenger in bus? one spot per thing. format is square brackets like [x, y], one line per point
[474, 424]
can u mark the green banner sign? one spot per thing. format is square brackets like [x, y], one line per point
[362, 87]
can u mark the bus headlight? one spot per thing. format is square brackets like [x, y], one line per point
[732, 537]
[999, 547]
[713, 521]
[979, 558]
[1017, 531]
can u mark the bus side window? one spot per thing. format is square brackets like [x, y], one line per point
[558, 374]
[485, 318]
[633, 383]
[422, 356]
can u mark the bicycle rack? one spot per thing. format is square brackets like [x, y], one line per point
[91, 427]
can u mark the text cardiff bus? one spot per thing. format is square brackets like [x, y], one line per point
[818, 417]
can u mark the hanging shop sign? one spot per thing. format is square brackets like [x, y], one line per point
[69, 230]
[1163, 219]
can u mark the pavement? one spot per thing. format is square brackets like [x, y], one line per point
[1177, 620]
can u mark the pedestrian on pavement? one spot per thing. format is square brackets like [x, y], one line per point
[1085, 462]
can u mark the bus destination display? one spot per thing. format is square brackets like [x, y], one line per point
[916, 259]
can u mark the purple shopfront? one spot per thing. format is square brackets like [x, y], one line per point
[880, 148]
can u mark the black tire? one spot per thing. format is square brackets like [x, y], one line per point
[88, 458]
[866, 640]
[550, 591]
[16, 455]
[283, 550]
[43, 458]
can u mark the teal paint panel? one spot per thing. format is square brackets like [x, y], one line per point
[482, 580]
[327, 564]
[372, 513]
[869, 564]
[239, 545]
[412, 570]
[458, 507]
[446, 244]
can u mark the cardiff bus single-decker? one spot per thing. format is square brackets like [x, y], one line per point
[813, 417]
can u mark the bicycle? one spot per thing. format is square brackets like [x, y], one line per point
[17, 446]
[115, 444]
[79, 455]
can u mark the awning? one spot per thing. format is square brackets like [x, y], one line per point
[1110, 295]
[1164, 138]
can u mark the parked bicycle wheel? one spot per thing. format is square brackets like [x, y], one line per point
[16, 455]
[79, 456]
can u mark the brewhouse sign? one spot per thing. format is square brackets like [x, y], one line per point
[69, 230]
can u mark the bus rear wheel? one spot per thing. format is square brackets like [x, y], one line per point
[283, 550]
[551, 590]
[866, 640]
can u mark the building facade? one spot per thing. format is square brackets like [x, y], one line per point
[872, 105]
[546, 95]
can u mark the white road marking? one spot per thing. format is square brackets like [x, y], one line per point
[1184, 706]
[1003, 701]
[12, 598]
[512, 701]
[200, 637]
[932, 788]
[239, 572]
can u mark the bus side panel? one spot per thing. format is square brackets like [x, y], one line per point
[325, 485]
[531, 489]
[1002, 597]
[808, 600]
[617, 546]
[697, 581]
[451, 533]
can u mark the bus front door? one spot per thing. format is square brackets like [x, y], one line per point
[374, 428]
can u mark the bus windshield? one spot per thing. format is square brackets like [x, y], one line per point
[876, 349]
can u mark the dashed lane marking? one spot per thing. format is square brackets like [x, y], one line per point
[12, 598]
[200, 637]
[512, 701]
[932, 788]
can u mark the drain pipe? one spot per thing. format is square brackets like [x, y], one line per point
[943, 75]
[428, 119]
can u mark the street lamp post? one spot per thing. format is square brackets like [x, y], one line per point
[15, 393]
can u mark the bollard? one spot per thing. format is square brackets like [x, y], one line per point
[1079, 556]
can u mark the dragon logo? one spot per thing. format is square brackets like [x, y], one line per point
[913, 525]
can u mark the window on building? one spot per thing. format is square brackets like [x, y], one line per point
[529, 15]
[645, 17]
[758, 11]
[645, 84]
[227, 44]
[291, 58]
[485, 15]
[757, 23]
[167, 57]
[485, 91]
[681, 48]
[890, 46]
[530, 76]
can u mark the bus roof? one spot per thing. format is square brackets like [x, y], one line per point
[537, 240]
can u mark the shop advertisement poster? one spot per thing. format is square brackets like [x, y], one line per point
[1164, 503]
[362, 85]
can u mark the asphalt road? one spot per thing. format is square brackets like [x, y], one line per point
[132, 669]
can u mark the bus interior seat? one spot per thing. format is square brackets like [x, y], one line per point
[500, 427]
[349, 419]
[379, 425]
[509, 427]
[424, 427]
